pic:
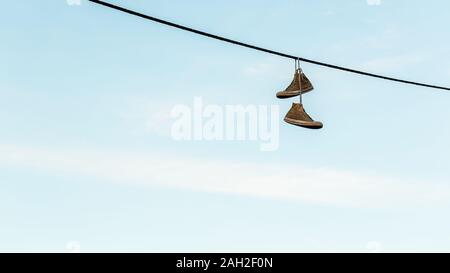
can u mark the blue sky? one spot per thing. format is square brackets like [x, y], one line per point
[86, 157]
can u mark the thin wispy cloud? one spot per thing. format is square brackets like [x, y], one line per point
[392, 64]
[373, 2]
[322, 186]
[269, 67]
[147, 117]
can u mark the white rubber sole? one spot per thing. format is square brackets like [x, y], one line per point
[309, 125]
[290, 94]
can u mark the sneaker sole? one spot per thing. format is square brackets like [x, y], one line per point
[290, 94]
[309, 125]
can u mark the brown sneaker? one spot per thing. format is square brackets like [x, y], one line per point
[294, 88]
[298, 116]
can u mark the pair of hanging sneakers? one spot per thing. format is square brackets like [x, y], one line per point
[297, 114]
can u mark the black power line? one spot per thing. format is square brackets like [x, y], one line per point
[220, 38]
